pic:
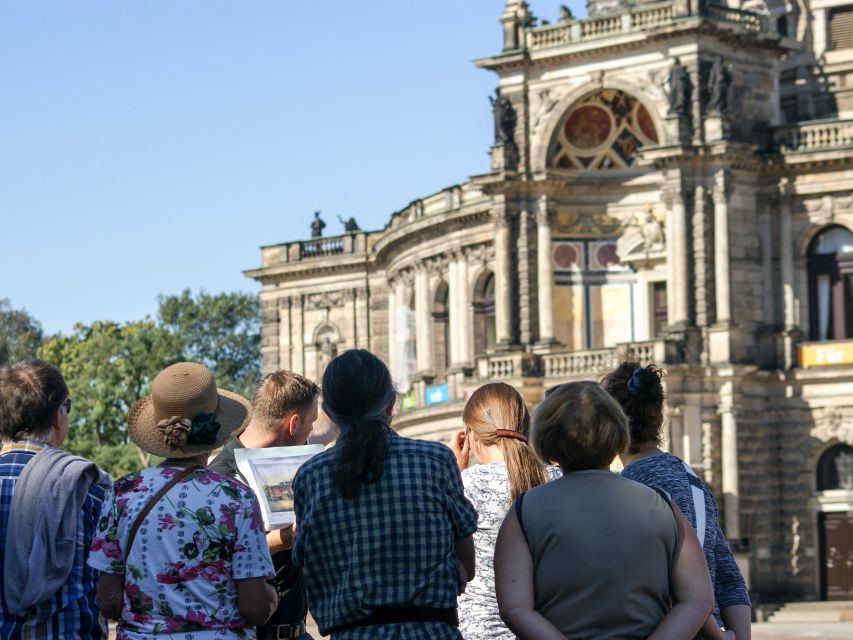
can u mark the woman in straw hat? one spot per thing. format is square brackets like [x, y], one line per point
[181, 548]
[496, 427]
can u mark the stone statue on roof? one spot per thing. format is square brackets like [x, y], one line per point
[719, 80]
[505, 118]
[680, 89]
[317, 226]
[350, 226]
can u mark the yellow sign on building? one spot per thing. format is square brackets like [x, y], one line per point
[822, 354]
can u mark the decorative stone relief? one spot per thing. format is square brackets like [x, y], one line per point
[833, 426]
[587, 223]
[824, 210]
[546, 101]
[325, 300]
[644, 231]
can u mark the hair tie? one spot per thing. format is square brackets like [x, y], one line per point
[635, 381]
[508, 433]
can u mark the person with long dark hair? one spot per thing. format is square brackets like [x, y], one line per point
[639, 391]
[497, 424]
[384, 531]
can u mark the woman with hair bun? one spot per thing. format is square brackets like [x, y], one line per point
[384, 531]
[497, 424]
[640, 393]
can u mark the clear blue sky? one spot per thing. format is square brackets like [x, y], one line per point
[154, 145]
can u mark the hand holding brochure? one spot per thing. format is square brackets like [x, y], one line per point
[270, 473]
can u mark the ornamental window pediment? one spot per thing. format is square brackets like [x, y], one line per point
[602, 131]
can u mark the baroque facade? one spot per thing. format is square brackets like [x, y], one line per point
[670, 181]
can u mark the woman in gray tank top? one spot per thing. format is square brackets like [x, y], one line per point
[594, 555]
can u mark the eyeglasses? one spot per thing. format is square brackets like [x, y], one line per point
[67, 404]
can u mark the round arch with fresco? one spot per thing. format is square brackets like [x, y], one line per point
[601, 131]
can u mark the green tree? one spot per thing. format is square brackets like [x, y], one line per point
[221, 331]
[20, 333]
[108, 367]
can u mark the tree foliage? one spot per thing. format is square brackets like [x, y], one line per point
[109, 366]
[221, 331]
[20, 333]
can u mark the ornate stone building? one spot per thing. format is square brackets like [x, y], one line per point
[670, 181]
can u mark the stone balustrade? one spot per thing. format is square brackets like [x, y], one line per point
[579, 363]
[300, 250]
[635, 19]
[749, 20]
[828, 134]
[592, 362]
[506, 366]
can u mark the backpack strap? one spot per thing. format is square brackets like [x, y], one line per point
[154, 500]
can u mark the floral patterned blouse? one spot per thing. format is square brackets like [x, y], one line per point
[202, 535]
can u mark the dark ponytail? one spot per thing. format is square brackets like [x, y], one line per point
[357, 391]
[640, 392]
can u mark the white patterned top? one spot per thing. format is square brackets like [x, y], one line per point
[487, 487]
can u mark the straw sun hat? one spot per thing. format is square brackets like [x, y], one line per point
[186, 414]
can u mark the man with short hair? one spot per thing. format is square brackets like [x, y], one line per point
[50, 501]
[284, 408]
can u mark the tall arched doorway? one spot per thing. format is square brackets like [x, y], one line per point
[835, 486]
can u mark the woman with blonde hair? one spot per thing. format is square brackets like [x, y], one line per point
[496, 426]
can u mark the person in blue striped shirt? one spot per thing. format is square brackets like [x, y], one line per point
[640, 392]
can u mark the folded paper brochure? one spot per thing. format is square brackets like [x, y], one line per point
[270, 473]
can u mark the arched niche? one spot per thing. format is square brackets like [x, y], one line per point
[441, 328]
[602, 130]
[835, 469]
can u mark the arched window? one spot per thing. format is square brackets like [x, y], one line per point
[831, 285]
[603, 130]
[835, 468]
[484, 313]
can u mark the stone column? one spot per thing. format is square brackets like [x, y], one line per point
[362, 309]
[678, 291]
[722, 281]
[392, 327]
[453, 310]
[729, 455]
[503, 280]
[545, 272]
[423, 321]
[285, 353]
[466, 354]
[297, 311]
[786, 256]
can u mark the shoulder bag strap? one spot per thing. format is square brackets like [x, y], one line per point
[698, 502]
[154, 500]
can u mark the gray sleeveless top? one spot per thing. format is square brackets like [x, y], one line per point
[603, 550]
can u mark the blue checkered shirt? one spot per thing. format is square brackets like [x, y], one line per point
[71, 613]
[392, 545]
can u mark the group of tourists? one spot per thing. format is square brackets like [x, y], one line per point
[394, 538]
